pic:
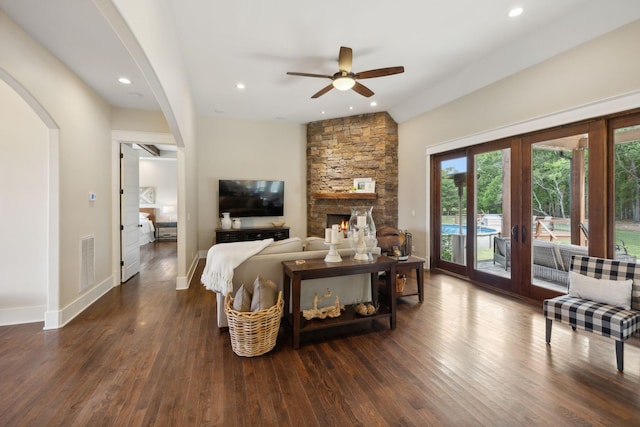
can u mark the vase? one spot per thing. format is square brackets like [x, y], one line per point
[362, 233]
[225, 221]
[236, 223]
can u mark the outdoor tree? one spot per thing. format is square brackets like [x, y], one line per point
[627, 181]
[551, 177]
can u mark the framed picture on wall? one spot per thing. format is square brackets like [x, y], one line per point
[364, 185]
[147, 195]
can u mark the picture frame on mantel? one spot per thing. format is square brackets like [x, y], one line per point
[364, 185]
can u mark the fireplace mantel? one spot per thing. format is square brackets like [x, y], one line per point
[345, 196]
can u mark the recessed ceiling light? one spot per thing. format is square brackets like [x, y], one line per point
[135, 94]
[373, 103]
[240, 85]
[322, 112]
[124, 81]
[351, 107]
[516, 11]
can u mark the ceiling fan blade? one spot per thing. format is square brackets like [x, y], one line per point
[362, 90]
[345, 59]
[308, 75]
[380, 72]
[323, 91]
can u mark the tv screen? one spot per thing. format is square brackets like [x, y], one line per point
[246, 198]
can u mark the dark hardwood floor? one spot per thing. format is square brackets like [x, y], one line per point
[146, 354]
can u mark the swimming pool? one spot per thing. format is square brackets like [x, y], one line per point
[455, 229]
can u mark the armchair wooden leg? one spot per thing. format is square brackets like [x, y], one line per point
[620, 355]
[548, 330]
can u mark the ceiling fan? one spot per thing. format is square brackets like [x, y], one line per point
[345, 79]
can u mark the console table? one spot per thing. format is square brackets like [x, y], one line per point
[294, 274]
[417, 264]
[248, 234]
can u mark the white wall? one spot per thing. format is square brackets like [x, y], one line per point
[84, 162]
[601, 69]
[162, 175]
[243, 149]
[24, 200]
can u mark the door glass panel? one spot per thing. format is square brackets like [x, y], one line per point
[453, 203]
[560, 223]
[492, 249]
[627, 192]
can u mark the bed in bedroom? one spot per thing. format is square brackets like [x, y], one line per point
[147, 219]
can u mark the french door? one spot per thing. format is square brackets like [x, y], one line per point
[511, 213]
[473, 212]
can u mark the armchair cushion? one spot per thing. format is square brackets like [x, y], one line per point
[613, 292]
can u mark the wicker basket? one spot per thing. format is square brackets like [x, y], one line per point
[253, 333]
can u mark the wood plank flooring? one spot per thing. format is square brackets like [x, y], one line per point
[148, 355]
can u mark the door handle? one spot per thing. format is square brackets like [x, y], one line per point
[524, 234]
[514, 233]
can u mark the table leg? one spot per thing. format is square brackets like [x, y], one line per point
[286, 294]
[391, 294]
[420, 278]
[295, 309]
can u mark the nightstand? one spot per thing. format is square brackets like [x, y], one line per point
[166, 230]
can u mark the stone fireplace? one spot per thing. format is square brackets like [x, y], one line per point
[340, 150]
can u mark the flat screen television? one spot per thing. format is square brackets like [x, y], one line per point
[249, 198]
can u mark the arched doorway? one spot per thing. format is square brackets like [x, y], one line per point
[29, 278]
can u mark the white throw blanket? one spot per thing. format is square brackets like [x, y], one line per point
[223, 258]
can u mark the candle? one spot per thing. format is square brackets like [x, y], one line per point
[362, 221]
[327, 235]
[334, 233]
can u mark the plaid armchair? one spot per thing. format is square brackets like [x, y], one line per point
[609, 321]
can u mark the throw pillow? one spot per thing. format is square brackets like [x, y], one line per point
[265, 294]
[242, 300]
[315, 244]
[318, 244]
[292, 244]
[612, 292]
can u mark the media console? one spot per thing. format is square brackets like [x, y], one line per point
[248, 234]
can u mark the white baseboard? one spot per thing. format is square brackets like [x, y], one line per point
[57, 319]
[182, 282]
[20, 315]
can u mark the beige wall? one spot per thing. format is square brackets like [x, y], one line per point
[24, 199]
[242, 149]
[139, 120]
[84, 156]
[598, 70]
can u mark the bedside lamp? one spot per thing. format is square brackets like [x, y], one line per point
[168, 211]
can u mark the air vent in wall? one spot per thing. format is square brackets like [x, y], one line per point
[87, 262]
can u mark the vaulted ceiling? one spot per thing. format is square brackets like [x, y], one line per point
[448, 49]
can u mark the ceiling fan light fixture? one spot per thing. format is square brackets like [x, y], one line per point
[344, 83]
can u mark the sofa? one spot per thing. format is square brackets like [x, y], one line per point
[552, 260]
[268, 264]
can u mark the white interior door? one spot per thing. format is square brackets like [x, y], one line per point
[129, 208]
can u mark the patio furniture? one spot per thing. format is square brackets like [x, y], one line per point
[502, 251]
[551, 260]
